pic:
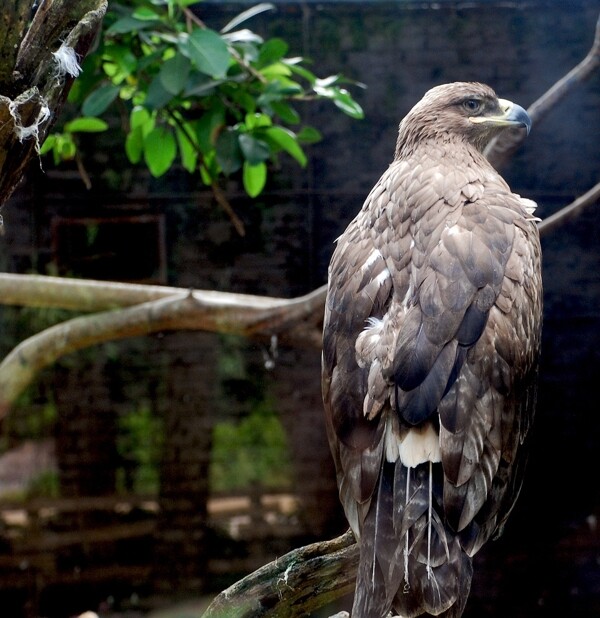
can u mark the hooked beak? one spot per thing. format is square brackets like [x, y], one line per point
[512, 115]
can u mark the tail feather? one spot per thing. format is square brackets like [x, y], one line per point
[410, 561]
[377, 544]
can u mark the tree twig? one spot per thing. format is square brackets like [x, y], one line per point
[226, 206]
[218, 194]
[503, 147]
[569, 212]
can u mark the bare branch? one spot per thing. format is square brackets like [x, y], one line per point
[88, 295]
[226, 206]
[569, 212]
[298, 583]
[503, 147]
[142, 310]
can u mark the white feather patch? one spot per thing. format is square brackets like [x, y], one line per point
[419, 445]
[528, 204]
[382, 277]
[66, 61]
[392, 443]
[373, 257]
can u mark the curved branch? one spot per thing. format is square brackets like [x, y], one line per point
[163, 309]
[92, 295]
[503, 147]
[298, 583]
[569, 212]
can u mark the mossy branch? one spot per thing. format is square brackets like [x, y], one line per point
[33, 86]
[300, 582]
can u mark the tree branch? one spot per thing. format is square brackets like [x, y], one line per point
[12, 25]
[87, 295]
[569, 212]
[142, 310]
[503, 147]
[34, 85]
[300, 582]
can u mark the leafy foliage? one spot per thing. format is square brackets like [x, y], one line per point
[220, 102]
[139, 445]
[253, 451]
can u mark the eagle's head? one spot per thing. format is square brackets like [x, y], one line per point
[461, 111]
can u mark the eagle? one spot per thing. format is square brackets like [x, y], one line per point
[430, 352]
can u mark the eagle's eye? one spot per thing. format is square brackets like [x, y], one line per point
[472, 105]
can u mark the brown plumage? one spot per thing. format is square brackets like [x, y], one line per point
[430, 347]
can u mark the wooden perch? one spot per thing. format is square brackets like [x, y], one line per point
[300, 582]
[503, 147]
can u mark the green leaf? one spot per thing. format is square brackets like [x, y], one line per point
[348, 105]
[287, 141]
[207, 50]
[342, 99]
[309, 135]
[289, 88]
[200, 85]
[174, 73]
[276, 70]
[272, 51]
[206, 176]
[330, 80]
[209, 126]
[257, 121]
[160, 150]
[48, 144]
[187, 150]
[140, 117]
[118, 62]
[248, 40]
[66, 147]
[254, 150]
[87, 124]
[254, 177]
[157, 95]
[229, 153]
[245, 100]
[98, 100]
[248, 51]
[285, 111]
[134, 145]
[128, 24]
[311, 78]
[145, 13]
